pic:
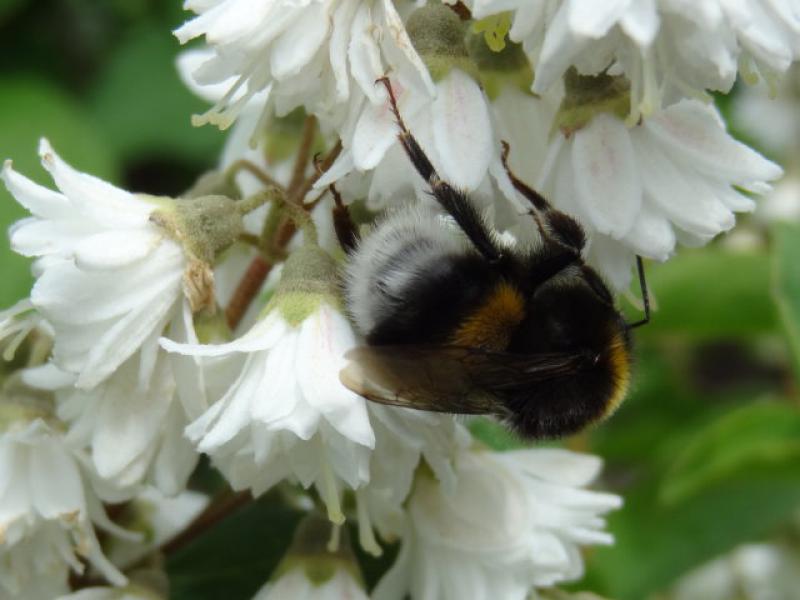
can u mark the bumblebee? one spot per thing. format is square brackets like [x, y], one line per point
[457, 321]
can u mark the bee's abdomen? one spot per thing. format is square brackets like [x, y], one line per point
[491, 323]
[414, 280]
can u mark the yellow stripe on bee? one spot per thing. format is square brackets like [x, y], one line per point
[620, 361]
[491, 325]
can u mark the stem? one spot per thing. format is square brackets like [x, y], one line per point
[323, 166]
[303, 155]
[259, 199]
[252, 168]
[247, 289]
[259, 268]
[222, 506]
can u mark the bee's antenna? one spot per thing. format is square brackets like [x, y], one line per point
[645, 295]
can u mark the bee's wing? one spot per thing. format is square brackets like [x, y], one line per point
[448, 378]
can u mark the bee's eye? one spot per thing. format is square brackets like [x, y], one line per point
[597, 285]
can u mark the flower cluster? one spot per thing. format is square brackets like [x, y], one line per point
[159, 329]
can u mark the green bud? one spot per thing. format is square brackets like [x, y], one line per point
[438, 37]
[309, 278]
[311, 551]
[498, 68]
[203, 225]
[213, 183]
[588, 95]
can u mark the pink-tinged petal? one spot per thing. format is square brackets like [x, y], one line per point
[692, 133]
[324, 339]
[297, 44]
[594, 19]
[462, 131]
[608, 183]
[641, 22]
[375, 132]
[115, 249]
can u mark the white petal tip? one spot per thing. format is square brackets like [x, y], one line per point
[46, 152]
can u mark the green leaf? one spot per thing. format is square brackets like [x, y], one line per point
[655, 543]
[786, 283]
[142, 104]
[710, 293]
[755, 439]
[234, 558]
[30, 109]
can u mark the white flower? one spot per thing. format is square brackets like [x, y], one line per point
[296, 585]
[514, 521]
[309, 53]
[662, 46]
[751, 571]
[15, 325]
[287, 415]
[453, 127]
[639, 190]
[132, 433]
[47, 512]
[108, 280]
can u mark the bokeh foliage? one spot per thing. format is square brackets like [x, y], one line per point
[706, 451]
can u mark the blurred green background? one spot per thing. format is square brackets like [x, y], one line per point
[706, 451]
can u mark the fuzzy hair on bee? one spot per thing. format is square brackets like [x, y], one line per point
[457, 321]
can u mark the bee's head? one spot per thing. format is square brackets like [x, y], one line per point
[573, 310]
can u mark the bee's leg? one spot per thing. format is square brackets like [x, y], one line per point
[552, 223]
[453, 201]
[346, 231]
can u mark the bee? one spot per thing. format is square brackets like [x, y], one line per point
[456, 321]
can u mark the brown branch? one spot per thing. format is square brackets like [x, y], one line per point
[303, 154]
[248, 287]
[259, 267]
[221, 507]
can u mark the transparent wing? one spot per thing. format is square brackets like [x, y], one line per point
[449, 379]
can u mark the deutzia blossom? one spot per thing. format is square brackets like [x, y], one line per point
[514, 522]
[287, 414]
[639, 190]
[453, 127]
[310, 53]
[662, 46]
[133, 433]
[108, 280]
[47, 511]
[297, 585]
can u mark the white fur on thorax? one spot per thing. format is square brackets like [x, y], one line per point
[419, 225]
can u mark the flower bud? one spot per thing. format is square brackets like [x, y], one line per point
[438, 37]
[309, 278]
[589, 95]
